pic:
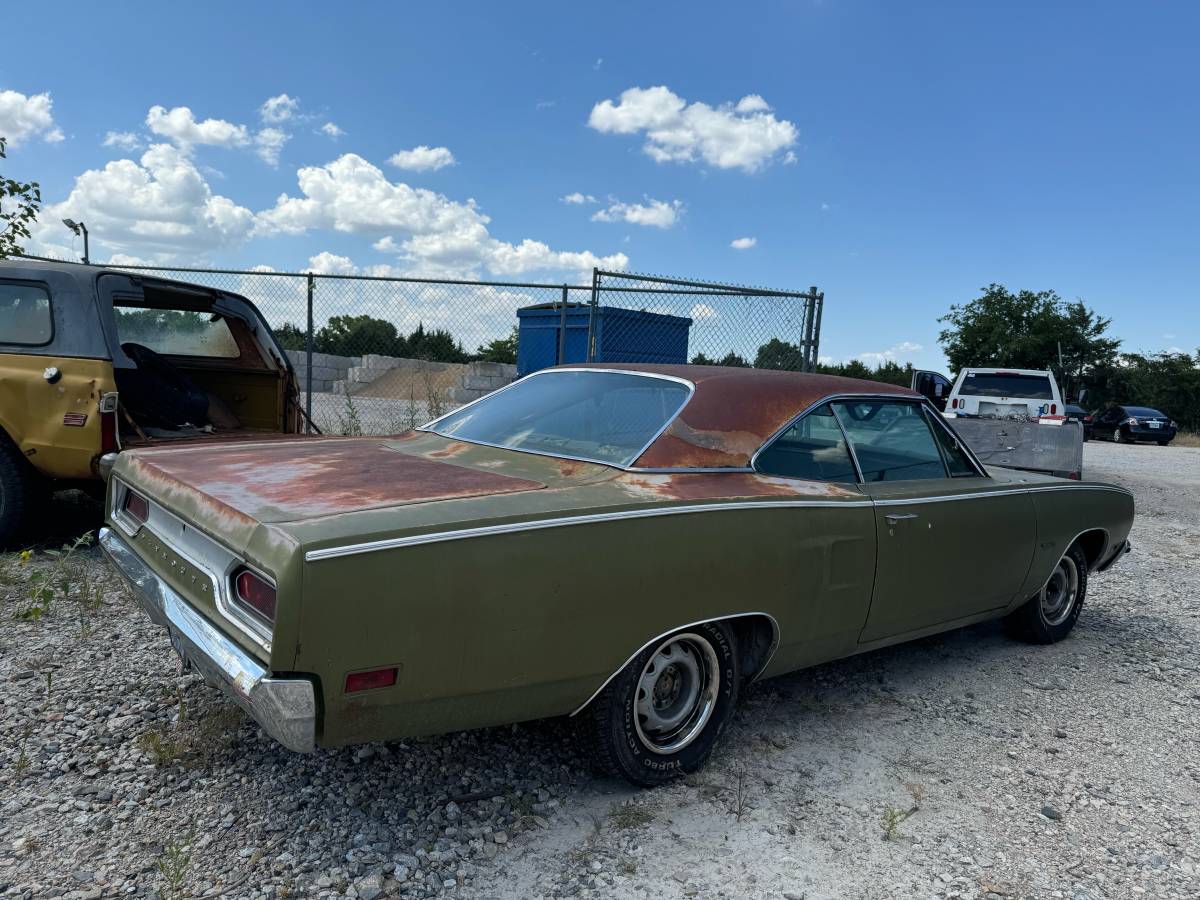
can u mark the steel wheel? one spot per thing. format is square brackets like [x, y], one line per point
[1116, 435]
[676, 693]
[1057, 597]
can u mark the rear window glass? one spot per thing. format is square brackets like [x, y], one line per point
[176, 332]
[1000, 384]
[605, 417]
[1144, 412]
[25, 314]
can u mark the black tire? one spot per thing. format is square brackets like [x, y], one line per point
[1042, 621]
[1163, 443]
[18, 487]
[613, 728]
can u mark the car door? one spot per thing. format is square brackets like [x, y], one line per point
[951, 542]
[934, 385]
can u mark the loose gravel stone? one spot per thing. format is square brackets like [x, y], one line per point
[115, 766]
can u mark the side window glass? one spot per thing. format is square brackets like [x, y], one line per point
[25, 314]
[891, 440]
[813, 449]
[957, 461]
[176, 332]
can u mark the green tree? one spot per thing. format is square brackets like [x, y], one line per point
[730, 359]
[1168, 382]
[19, 205]
[358, 335]
[1025, 330]
[501, 350]
[438, 345]
[777, 354]
[292, 337]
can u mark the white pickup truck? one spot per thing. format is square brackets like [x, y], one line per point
[1009, 417]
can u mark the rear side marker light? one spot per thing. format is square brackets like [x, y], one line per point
[368, 681]
[137, 507]
[255, 594]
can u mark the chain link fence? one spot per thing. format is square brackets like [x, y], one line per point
[379, 355]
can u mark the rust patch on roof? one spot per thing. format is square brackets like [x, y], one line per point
[728, 485]
[304, 479]
[734, 411]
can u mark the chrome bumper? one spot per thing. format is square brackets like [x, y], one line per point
[286, 708]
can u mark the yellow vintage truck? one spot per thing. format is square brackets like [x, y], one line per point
[94, 360]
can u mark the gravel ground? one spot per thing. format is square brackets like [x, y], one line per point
[964, 765]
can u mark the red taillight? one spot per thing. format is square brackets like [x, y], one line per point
[255, 594]
[1087, 418]
[108, 432]
[1053, 408]
[137, 507]
[1074, 476]
[367, 681]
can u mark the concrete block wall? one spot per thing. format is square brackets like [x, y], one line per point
[481, 378]
[327, 369]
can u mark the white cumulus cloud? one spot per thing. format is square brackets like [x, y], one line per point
[326, 263]
[655, 213]
[894, 353]
[578, 199]
[278, 109]
[179, 125]
[268, 144]
[330, 129]
[429, 231]
[743, 243]
[745, 135]
[422, 159]
[23, 117]
[124, 140]
[159, 207]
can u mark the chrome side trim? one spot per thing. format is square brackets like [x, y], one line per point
[430, 426]
[766, 661]
[538, 524]
[617, 515]
[286, 708]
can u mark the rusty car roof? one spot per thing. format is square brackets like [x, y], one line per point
[734, 411]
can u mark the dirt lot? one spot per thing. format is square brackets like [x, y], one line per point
[960, 766]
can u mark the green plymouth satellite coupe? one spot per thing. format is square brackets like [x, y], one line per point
[626, 544]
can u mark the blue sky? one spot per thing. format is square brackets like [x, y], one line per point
[899, 156]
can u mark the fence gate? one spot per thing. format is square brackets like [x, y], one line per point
[649, 318]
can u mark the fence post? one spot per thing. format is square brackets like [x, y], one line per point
[562, 327]
[308, 352]
[810, 315]
[816, 340]
[591, 349]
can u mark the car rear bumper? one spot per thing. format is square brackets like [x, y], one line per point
[286, 708]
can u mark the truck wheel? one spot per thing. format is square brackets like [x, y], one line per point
[16, 491]
[660, 717]
[1050, 614]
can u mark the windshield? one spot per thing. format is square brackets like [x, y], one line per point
[1006, 384]
[604, 417]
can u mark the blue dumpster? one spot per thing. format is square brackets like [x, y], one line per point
[619, 335]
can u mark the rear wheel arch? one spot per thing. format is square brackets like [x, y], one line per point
[756, 635]
[1092, 543]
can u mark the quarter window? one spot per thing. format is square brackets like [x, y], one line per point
[25, 314]
[958, 464]
[891, 440]
[813, 449]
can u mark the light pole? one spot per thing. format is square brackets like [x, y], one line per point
[78, 227]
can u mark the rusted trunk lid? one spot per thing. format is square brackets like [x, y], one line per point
[231, 490]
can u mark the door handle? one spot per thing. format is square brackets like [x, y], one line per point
[893, 518]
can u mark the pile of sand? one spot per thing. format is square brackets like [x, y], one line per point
[405, 383]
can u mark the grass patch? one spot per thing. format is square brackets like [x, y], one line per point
[626, 816]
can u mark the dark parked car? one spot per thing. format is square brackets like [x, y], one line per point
[1130, 424]
[1082, 416]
